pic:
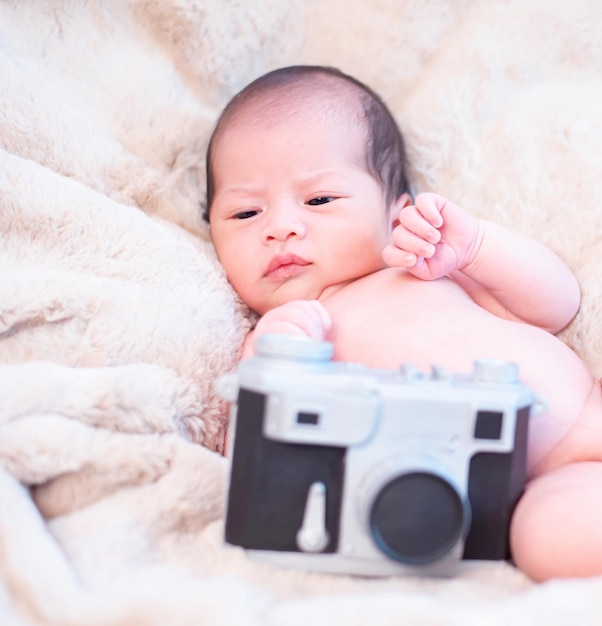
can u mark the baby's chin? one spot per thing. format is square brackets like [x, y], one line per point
[296, 290]
[290, 291]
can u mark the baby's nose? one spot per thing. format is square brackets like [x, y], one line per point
[283, 222]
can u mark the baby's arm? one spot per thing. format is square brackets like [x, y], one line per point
[504, 271]
[298, 317]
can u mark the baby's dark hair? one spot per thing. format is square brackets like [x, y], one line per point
[385, 149]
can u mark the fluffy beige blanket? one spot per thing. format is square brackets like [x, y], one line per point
[115, 318]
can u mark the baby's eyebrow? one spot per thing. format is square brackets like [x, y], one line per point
[241, 190]
[313, 177]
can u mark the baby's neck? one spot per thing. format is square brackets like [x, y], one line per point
[330, 290]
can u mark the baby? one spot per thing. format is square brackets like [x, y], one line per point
[312, 219]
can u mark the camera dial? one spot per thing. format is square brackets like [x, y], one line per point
[495, 371]
[294, 347]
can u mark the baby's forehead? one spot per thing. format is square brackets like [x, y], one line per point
[324, 98]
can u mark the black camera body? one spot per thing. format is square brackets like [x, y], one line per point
[344, 468]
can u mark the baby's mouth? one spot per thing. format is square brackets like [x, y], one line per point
[285, 266]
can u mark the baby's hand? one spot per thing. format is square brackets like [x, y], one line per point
[298, 317]
[434, 237]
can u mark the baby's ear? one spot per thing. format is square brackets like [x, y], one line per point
[403, 201]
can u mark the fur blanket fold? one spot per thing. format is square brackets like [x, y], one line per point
[116, 318]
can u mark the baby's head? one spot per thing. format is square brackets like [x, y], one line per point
[305, 178]
[320, 90]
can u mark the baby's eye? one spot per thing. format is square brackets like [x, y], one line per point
[245, 215]
[320, 200]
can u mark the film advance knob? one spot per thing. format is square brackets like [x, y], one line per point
[495, 371]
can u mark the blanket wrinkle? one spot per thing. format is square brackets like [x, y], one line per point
[116, 319]
[33, 451]
[40, 554]
[110, 463]
[135, 398]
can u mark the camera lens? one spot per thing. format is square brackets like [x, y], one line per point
[417, 518]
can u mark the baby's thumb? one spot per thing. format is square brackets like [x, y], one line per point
[323, 316]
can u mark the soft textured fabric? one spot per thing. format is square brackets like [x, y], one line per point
[116, 319]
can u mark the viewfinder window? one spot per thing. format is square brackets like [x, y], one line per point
[312, 419]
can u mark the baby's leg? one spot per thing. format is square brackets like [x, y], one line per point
[556, 530]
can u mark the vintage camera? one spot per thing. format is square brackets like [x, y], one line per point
[344, 468]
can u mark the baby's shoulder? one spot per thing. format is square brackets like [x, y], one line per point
[390, 284]
[392, 292]
[376, 317]
[366, 295]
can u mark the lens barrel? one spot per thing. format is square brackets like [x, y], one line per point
[417, 517]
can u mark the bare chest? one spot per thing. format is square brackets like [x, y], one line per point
[384, 320]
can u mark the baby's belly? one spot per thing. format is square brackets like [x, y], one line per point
[456, 335]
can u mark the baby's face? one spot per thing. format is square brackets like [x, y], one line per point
[295, 214]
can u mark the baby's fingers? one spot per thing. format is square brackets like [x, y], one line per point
[299, 317]
[394, 257]
[429, 206]
[319, 316]
[421, 226]
[413, 244]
